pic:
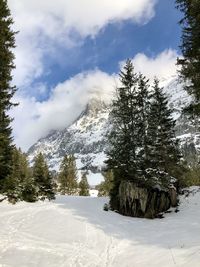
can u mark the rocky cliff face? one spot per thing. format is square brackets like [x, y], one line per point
[86, 137]
[187, 129]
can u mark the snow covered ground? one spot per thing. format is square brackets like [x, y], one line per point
[75, 231]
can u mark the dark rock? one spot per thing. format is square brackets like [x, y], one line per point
[173, 196]
[143, 202]
[106, 207]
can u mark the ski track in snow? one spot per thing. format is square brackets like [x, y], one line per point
[76, 232]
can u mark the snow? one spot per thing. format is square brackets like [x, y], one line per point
[94, 178]
[94, 193]
[75, 231]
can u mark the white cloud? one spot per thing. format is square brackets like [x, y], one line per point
[34, 120]
[85, 17]
[28, 61]
[162, 65]
[65, 22]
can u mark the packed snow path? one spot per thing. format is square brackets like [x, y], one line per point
[75, 231]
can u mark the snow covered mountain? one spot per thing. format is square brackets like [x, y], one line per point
[86, 137]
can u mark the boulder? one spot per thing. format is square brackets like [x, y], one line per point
[144, 202]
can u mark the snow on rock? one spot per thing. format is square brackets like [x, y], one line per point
[75, 231]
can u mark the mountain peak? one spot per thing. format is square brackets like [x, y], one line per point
[95, 105]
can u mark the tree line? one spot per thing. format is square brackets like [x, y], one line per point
[25, 183]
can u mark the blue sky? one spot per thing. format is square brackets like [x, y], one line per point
[116, 42]
[67, 50]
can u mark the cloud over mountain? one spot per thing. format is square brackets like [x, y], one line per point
[68, 99]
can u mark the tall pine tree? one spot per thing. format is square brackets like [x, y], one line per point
[19, 184]
[143, 108]
[27, 184]
[190, 47]
[124, 134]
[84, 186]
[7, 43]
[12, 183]
[127, 137]
[106, 186]
[42, 178]
[163, 155]
[68, 176]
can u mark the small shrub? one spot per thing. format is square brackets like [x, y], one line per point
[191, 177]
[106, 207]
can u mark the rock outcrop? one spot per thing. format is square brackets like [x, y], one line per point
[136, 201]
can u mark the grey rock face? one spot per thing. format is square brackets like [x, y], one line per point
[85, 138]
[143, 202]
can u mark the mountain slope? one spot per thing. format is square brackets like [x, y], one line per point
[86, 137]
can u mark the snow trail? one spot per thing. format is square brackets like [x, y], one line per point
[76, 232]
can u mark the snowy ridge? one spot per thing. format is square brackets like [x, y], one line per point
[86, 137]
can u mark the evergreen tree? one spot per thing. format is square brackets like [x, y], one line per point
[68, 176]
[143, 108]
[142, 146]
[190, 64]
[12, 182]
[127, 137]
[29, 190]
[106, 186]
[43, 179]
[163, 155]
[84, 186]
[28, 187]
[19, 181]
[7, 43]
[123, 138]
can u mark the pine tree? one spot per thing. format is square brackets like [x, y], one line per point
[68, 176]
[124, 135]
[143, 108]
[12, 182]
[163, 155]
[28, 187]
[29, 190]
[42, 178]
[106, 186]
[127, 115]
[84, 186]
[7, 43]
[143, 151]
[19, 180]
[190, 64]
